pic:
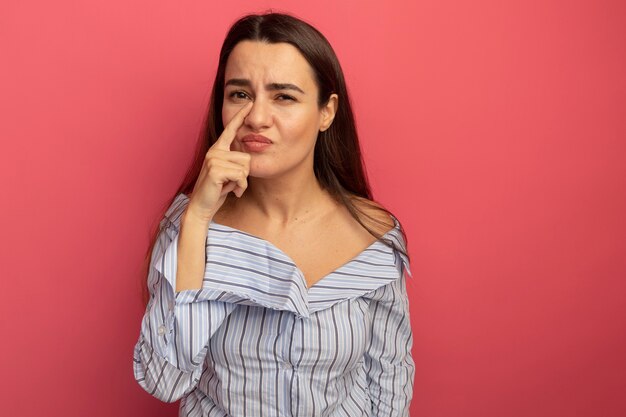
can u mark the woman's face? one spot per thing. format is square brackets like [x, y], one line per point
[280, 130]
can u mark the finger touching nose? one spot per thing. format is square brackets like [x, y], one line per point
[259, 116]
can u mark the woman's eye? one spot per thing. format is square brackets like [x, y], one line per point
[238, 95]
[285, 97]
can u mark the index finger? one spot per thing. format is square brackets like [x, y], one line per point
[230, 130]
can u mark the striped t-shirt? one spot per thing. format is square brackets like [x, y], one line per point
[255, 341]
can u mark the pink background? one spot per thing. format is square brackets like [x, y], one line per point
[495, 130]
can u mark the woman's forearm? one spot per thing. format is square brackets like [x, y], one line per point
[191, 252]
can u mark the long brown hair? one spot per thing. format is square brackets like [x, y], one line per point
[338, 163]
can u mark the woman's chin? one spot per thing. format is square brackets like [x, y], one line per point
[262, 171]
[266, 167]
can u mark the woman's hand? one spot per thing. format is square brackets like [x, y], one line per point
[223, 171]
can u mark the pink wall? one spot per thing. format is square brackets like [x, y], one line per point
[494, 130]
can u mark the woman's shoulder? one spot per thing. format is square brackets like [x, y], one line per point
[384, 224]
[374, 216]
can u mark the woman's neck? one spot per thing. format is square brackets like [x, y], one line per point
[284, 201]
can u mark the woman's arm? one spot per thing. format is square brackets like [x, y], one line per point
[388, 361]
[191, 252]
[176, 327]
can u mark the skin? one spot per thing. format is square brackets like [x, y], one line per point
[272, 194]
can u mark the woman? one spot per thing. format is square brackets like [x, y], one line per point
[276, 283]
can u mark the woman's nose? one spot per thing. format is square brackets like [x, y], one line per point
[260, 116]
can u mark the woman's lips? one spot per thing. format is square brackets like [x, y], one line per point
[255, 143]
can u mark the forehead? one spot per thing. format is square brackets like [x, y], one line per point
[269, 62]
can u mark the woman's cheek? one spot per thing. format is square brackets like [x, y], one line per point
[229, 110]
[227, 115]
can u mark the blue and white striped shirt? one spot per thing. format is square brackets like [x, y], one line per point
[255, 341]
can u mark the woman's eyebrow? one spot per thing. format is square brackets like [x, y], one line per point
[240, 82]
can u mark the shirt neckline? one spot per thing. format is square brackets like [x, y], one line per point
[297, 269]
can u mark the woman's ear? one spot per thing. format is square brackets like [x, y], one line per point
[328, 112]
